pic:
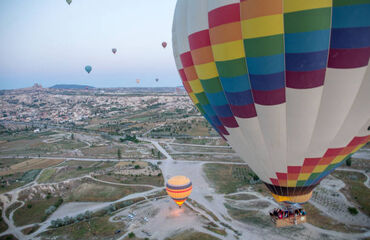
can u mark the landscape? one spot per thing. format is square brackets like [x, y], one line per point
[92, 164]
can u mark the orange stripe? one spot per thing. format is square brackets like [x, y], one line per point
[225, 33]
[202, 55]
[258, 8]
[177, 191]
[191, 74]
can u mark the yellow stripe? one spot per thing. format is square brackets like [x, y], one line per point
[304, 176]
[263, 26]
[207, 70]
[319, 168]
[193, 98]
[357, 148]
[196, 86]
[297, 199]
[228, 51]
[292, 183]
[338, 159]
[300, 5]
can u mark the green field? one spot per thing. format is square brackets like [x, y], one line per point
[3, 225]
[189, 235]
[355, 189]
[95, 228]
[146, 180]
[233, 177]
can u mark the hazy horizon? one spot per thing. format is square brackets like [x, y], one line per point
[50, 42]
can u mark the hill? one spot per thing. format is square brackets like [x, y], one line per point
[71, 86]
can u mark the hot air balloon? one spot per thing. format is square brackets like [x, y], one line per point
[137, 81]
[179, 189]
[285, 82]
[69, 2]
[114, 50]
[88, 68]
[164, 44]
[156, 79]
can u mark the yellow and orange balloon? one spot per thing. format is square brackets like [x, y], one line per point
[179, 189]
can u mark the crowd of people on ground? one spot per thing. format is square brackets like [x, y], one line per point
[280, 214]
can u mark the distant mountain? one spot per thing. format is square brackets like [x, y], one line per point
[71, 86]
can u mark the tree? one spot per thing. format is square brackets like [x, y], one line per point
[159, 155]
[119, 153]
[349, 162]
[131, 235]
[152, 151]
[72, 136]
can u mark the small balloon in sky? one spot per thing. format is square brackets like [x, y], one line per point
[69, 2]
[137, 81]
[156, 79]
[88, 68]
[164, 44]
[114, 50]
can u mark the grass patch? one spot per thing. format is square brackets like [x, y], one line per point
[148, 180]
[190, 235]
[34, 214]
[355, 189]
[8, 237]
[252, 217]
[231, 178]
[46, 175]
[95, 228]
[100, 192]
[318, 219]
[3, 225]
[31, 229]
[36, 163]
[11, 208]
[241, 196]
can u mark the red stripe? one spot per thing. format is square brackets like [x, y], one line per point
[182, 191]
[357, 141]
[223, 15]
[311, 161]
[331, 152]
[349, 58]
[294, 169]
[268, 98]
[246, 111]
[186, 59]
[199, 39]
[304, 80]
[183, 75]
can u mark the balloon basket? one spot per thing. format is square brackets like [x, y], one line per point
[288, 215]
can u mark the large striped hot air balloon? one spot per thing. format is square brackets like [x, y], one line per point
[285, 82]
[179, 189]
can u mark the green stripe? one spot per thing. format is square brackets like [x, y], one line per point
[200, 108]
[313, 176]
[307, 21]
[264, 46]
[211, 85]
[301, 183]
[232, 68]
[202, 98]
[339, 3]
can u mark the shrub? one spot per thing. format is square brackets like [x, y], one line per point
[131, 235]
[352, 210]
[348, 162]
[29, 205]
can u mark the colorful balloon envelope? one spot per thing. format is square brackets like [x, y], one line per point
[114, 50]
[285, 82]
[164, 44]
[179, 189]
[88, 68]
[69, 2]
[137, 81]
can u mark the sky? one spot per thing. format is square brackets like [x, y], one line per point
[50, 42]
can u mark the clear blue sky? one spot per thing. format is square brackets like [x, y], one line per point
[50, 42]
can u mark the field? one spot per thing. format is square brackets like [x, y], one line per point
[355, 189]
[207, 157]
[72, 169]
[3, 225]
[147, 180]
[100, 192]
[233, 177]
[96, 228]
[241, 196]
[189, 235]
[36, 163]
[34, 214]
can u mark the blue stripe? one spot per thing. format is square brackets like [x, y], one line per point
[217, 99]
[211, 114]
[268, 82]
[307, 41]
[266, 64]
[302, 62]
[350, 37]
[240, 98]
[214, 119]
[223, 111]
[351, 16]
[235, 84]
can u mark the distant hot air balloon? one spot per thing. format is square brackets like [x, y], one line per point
[164, 44]
[179, 189]
[69, 1]
[156, 79]
[137, 81]
[88, 68]
[114, 50]
[285, 84]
